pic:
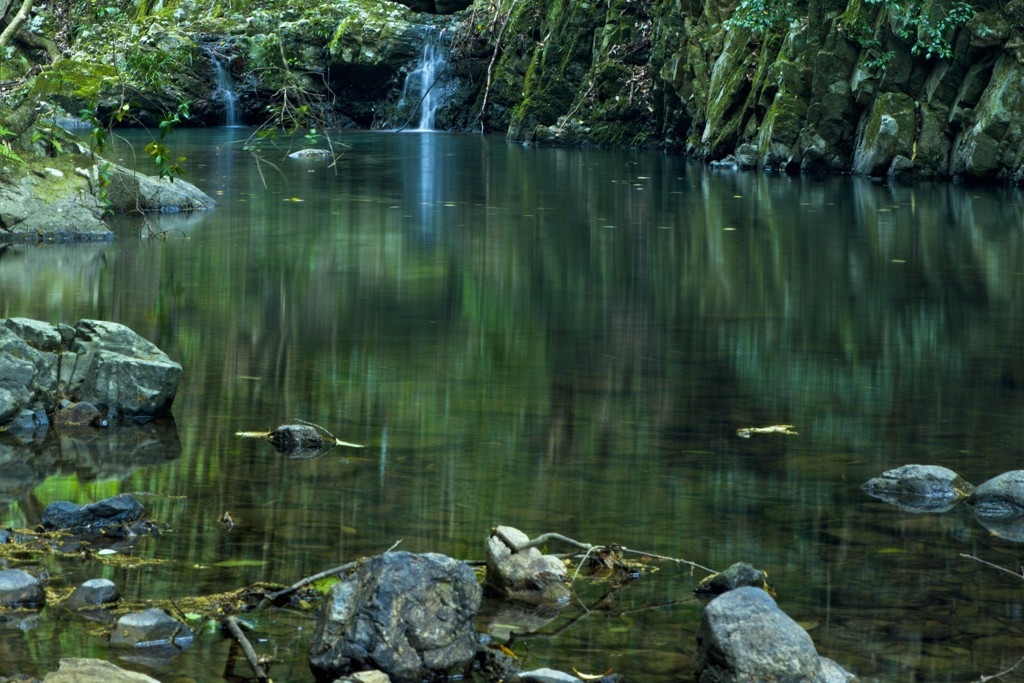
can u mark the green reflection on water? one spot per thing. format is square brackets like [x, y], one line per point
[563, 340]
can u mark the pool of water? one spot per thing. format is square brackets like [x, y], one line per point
[557, 340]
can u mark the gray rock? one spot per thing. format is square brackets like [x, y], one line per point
[116, 369]
[311, 154]
[79, 414]
[109, 516]
[70, 216]
[744, 636]
[408, 615]
[102, 363]
[150, 628]
[919, 488]
[290, 438]
[888, 131]
[73, 670]
[526, 576]
[132, 192]
[20, 589]
[366, 677]
[999, 498]
[93, 593]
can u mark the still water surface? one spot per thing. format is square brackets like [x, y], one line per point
[558, 340]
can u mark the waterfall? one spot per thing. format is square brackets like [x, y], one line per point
[423, 92]
[225, 90]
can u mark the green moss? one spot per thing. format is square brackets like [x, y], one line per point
[80, 80]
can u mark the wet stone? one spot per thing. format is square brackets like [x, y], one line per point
[152, 627]
[20, 589]
[94, 593]
[291, 438]
[108, 516]
[999, 498]
[737, 575]
[919, 488]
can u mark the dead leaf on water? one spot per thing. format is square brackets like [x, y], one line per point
[747, 432]
[590, 677]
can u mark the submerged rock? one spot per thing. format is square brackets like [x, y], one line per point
[744, 636]
[737, 575]
[20, 589]
[919, 488]
[1000, 498]
[408, 615]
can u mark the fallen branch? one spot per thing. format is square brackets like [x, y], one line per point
[1019, 575]
[588, 547]
[250, 655]
[302, 583]
[1001, 673]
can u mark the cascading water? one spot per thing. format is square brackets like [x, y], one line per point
[225, 86]
[424, 93]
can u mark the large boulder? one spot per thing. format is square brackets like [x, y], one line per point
[51, 209]
[523, 575]
[130, 192]
[919, 488]
[408, 615]
[102, 363]
[744, 636]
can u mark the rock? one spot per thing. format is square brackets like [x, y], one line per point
[93, 593]
[20, 589]
[117, 370]
[51, 210]
[526, 576]
[919, 488]
[129, 192]
[79, 414]
[110, 516]
[999, 498]
[73, 670]
[744, 636]
[311, 154]
[365, 677]
[150, 628]
[291, 438]
[496, 665]
[737, 575]
[408, 615]
[100, 363]
[888, 130]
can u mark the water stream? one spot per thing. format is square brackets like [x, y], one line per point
[424, 91]
[572, 356]
[225, 92]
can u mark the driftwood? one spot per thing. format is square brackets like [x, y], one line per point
[250, 655]
[302, 583]
[543, 539]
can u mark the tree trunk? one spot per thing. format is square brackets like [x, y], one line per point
[16, 22]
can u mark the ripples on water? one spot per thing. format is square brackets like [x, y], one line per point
[559, 340]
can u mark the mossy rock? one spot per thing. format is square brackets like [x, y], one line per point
[737, 575]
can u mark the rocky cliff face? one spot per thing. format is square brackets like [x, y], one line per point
[837, 89]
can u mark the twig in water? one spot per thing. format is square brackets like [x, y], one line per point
[1019, 575]
[340, 569]
[1001, 673]
[250, 654]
